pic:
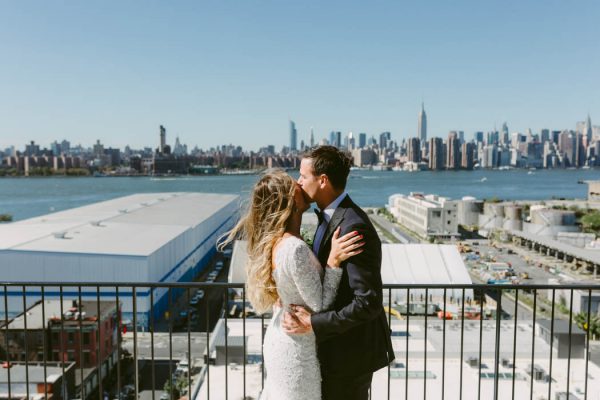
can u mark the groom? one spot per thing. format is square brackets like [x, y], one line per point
[353, 339]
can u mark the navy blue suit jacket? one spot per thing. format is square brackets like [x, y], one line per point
[353, 338]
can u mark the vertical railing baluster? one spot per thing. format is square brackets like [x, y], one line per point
[26, 339]
[189, 343]
[514, 363]
[135, 352]
[151, 328]
[244, 336]
[425, 345]
[462, 342]
[407, 338]
[7, 341]
[551, 342]
[62, 339]
[80, 326]
[119, 338]
[533, 343]
[481, 316]
[99, 353]
[208, 349]
[569, 352]
[45, 340]
[587, 342]
[226, 345]
[171, 321]
[444, 347]
[497, 343]
[390, 325]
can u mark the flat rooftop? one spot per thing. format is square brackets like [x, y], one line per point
[108, 227]
[427, 201]
[52, 309]
[584, 254]
[19, 374]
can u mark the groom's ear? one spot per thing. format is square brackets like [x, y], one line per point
[323, 180]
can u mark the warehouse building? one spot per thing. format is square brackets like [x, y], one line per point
[142, 238]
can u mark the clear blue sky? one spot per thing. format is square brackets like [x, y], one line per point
[233, 72]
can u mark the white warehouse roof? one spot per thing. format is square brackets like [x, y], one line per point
[400, 264]
[135, 225]
[423, 264]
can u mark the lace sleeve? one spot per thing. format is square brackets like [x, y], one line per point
[305, 273]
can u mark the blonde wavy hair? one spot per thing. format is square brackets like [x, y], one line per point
[264, 223]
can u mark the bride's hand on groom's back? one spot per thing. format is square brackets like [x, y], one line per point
[342, 248]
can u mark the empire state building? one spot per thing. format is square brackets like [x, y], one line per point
[422, 132]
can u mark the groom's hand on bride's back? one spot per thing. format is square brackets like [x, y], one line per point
[296, 320]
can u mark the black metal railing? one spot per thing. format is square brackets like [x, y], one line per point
[450, 341]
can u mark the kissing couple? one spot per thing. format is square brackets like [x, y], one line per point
[329, 332]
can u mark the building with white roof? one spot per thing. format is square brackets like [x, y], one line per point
[423, 264]
[403, 264]
[141, 238]
[426, 215]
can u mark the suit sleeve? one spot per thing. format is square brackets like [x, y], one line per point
[364, 278]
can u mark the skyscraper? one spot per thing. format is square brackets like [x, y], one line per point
[567, 144]
[504, 138]
[467, 155]
[351, 141]
[312, 137]
[384, 139]
[293, 137]
[362, 140]
[422, 131]
[436, 153]
[414, 150]
[545, 135]
[479, 137]
[163, 139]
[587, 130]
[453, 151]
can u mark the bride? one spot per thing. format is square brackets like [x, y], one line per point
[282, 270]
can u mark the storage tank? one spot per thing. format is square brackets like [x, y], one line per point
[494, 209]
[469, 209]
[552, 217]
[513, 212]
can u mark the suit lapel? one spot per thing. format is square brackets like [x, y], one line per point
[336, 220]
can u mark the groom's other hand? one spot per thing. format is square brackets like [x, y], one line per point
[296, 321]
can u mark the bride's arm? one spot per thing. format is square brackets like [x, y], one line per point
[306, 277]
[305, 271]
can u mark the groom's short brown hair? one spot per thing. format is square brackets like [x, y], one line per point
[330, 161]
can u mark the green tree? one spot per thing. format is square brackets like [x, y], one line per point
[590, 223]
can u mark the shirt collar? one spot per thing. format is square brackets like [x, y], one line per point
[330, 209]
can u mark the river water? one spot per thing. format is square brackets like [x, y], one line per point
[29, 197]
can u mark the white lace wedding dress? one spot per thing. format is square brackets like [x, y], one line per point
[291, 362]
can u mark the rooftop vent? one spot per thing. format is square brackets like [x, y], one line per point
[60, 235]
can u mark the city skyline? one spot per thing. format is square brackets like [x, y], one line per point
[87, 72]
[584, 126]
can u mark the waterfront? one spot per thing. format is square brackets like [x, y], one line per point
[29, 197]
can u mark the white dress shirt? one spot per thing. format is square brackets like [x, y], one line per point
[327, 214]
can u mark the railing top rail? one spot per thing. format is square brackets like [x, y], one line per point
[239, 285]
